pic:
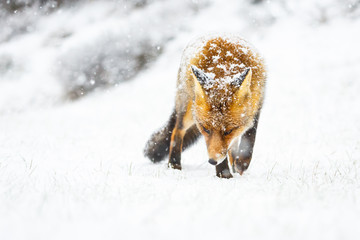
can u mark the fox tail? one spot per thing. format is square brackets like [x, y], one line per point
[158, 146]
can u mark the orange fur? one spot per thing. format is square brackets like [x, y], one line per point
[222, 103]
[223, 107]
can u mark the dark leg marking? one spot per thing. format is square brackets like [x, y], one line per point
[191, 136]
[242, 157]
[175, 154]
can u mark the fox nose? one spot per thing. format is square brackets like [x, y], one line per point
[212, 161]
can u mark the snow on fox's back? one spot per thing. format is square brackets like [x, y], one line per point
[239, 54]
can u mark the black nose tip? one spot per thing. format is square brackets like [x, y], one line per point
[212, 161]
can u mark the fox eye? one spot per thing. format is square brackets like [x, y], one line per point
[205, 129]
[230, 131]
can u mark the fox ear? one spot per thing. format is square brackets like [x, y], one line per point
[201, 80]
[200, 76]
[242, 84]
[243, 79]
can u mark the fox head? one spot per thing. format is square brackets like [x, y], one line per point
[221, 110]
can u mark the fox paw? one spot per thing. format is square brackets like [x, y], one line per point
[241, 167]
[224, 174]
[174, 166]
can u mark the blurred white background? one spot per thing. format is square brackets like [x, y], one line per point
[83, 84]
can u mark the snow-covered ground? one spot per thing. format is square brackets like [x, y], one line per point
[75, 169]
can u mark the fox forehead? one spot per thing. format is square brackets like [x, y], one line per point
[216, 118]
[219, 108]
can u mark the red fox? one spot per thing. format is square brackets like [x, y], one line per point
[220, 92]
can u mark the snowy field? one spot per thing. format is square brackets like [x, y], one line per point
[74, 169]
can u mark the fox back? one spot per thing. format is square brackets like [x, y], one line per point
[220, 92]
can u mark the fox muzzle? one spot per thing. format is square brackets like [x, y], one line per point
[217, 161]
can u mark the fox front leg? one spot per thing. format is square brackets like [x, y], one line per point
[175, 148]
[241, 154]
[183, 122]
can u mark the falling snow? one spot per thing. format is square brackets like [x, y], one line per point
[75, 169]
